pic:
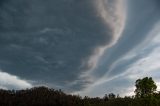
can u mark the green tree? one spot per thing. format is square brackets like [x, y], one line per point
[145, 87]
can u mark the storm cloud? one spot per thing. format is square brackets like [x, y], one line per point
[50, 41]
[77, 45]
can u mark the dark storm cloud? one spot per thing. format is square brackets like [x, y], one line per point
[142, 16]
[134, 56]
[47, 41]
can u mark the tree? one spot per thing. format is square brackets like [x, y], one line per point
[111, 96]
[145, 87]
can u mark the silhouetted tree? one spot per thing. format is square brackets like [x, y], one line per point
[106, 97]
[145, 87]
[43, 96]
[111, 96]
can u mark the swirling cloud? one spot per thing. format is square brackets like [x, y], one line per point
[51, 42]
[81, 46]
[136, 54]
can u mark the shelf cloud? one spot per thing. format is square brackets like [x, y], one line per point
[86, 47]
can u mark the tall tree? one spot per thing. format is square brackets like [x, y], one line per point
[145, 87]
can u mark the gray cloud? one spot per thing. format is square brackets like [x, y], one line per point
[127, 57]
[138, 25]
[51, 42]
[47, 41]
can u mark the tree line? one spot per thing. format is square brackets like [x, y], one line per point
[145, 95]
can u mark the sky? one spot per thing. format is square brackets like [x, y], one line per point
[85, 47]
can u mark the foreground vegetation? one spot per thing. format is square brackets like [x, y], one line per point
[43, 96]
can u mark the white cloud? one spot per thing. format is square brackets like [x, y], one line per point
[158, 86]
[8, 81]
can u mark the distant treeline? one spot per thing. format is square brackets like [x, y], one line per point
[43, 96]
